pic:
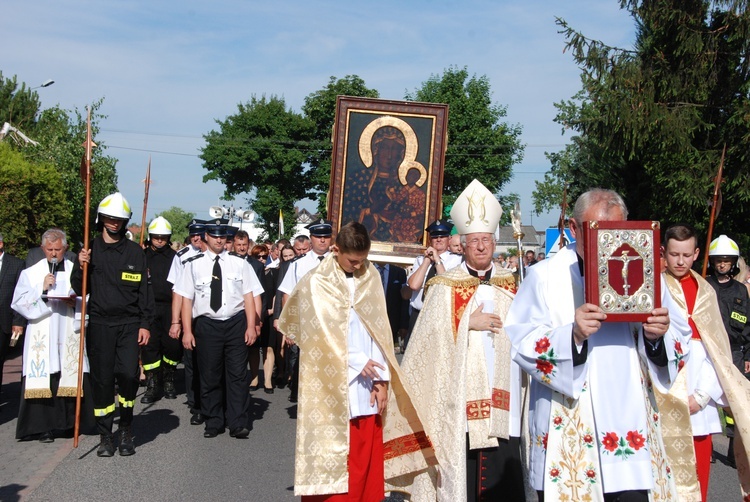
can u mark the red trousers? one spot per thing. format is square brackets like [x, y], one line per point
[365, 463]
[703, 451]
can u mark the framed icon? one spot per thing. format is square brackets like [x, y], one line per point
[387, 170]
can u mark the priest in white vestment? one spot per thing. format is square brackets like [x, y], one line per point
[51, 346]
[594, 425]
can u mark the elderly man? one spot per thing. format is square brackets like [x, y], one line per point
[466, 390]
[593, 427]
[50, 349]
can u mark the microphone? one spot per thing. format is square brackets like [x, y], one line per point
[54, 265]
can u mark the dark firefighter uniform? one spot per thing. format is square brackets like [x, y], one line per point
[120, 303]
[162, 353]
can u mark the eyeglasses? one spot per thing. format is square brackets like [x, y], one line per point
[262, 256]
[486, 241]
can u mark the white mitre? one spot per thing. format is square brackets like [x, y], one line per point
[476, 210]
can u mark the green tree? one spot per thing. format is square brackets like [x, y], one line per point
[61, 135]
[480, 145]
[652, 122]
[262, 149]
[29, 200]
[320, 108]
[179, 219]
[18, 106]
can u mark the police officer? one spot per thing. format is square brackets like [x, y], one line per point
[222, 295]
[437, 258]
[162, 353]
[196, 229]
[723, 254]
[121, 311]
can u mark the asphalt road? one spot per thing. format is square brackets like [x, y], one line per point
[175, 462]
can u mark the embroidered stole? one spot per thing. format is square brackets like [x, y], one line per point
[735, 385]
[316, 315]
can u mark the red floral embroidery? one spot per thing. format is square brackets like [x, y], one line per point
[656, 417]
[635, 440]
[554, 472]
[609, 441]
[545, 367]
[544, 441]
[591, 473]
[678, 347]
[588, 439]
[542, 345]
[557, 420]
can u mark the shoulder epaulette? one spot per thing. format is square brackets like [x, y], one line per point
[192, 258]
[183, 251]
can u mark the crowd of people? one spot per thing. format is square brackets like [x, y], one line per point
[510, 387]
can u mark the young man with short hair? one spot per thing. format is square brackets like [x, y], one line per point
[337, 315]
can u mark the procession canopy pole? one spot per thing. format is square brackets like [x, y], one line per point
[714, 211]
[86, 178]
[147, 182]
[515, 216]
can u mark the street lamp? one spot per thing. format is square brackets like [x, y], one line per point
[46, 83]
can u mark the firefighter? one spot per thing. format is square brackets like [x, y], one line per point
[162, 353]
[723, 254]
[121, 311]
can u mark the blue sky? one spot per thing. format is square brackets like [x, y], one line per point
[167, 70]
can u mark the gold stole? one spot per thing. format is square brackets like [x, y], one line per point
[316, 315]
[448, 382]
[735, 385]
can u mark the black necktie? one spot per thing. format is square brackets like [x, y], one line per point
[216, 286]
[320, 258]
[430, 274]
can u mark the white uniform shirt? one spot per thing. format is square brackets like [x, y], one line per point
[362, 348]
[450, 260]
[178, 264]
[237, 280]
[297, 270]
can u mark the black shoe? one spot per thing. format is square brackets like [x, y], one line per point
[106, 446]
[197, 419]
[47, 437]
[127, 446]
[239, 433]
[255, 387]
[268, 390]
[292, 398]
[212, 433]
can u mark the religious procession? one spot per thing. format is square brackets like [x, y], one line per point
[453, 378]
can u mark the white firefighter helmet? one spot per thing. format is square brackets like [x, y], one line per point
[723, 246]
[114, 206]
[159, 226]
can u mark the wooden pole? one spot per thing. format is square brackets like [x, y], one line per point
[147, 182]
[714, 213]
[86, 173]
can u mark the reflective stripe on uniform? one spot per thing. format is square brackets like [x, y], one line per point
[152, 366]
[101, 412]
[170, 362]
[124, 403]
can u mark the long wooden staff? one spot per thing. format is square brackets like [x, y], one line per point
[86, 178]
[714, 212]
[561, 221]
[147, 182]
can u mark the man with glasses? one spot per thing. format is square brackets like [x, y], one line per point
[465, 386]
